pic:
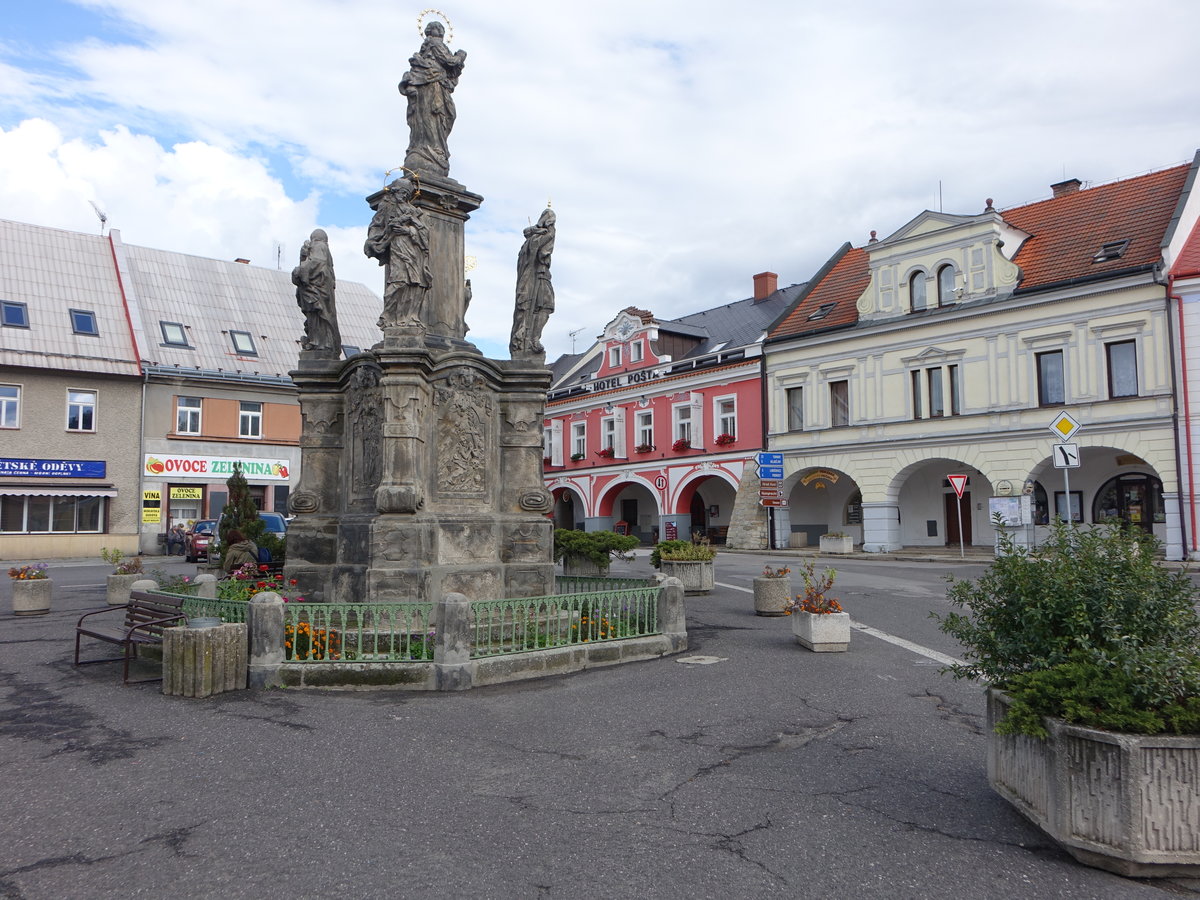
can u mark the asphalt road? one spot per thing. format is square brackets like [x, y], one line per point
[769, 771]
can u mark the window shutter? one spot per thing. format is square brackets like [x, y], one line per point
[619, 440]
[556, 442]
[698, 436]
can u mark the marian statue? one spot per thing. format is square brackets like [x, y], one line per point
[429, 85]
[315, 284]
[399, 239]
[535, 293]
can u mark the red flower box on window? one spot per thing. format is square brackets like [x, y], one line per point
[606, 453]
[724, 440]
[682, 444]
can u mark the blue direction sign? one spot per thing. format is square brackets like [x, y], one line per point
[771, 472]
[769, 459]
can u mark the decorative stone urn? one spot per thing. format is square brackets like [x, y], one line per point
[119, 587]
[574, 564]
[697, 575]
[31, 597]
[1128, 803]
[837, 543]
[822, 632]
[771, 595]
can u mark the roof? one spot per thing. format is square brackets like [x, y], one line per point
[1066, 234]
[52, 272]
[1187, 264]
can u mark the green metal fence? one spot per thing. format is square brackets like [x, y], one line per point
[579, 584]
[358, 632]
[502, 627]
[225, 610]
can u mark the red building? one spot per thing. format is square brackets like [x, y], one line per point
[651, 429]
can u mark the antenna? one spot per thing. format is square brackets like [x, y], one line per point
[100, 214]
[572, 334]
[278, 255]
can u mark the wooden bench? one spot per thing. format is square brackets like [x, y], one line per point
[146, 614]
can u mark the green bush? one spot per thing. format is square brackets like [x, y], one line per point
[1088, 626]
[598, 546]
[682, 551]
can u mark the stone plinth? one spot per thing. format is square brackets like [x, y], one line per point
[200, 662]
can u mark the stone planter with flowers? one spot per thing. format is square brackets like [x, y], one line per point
[772, 592]
[125, 572]
[837, 542]
[689, 561]
[818, 620]
[31, 590]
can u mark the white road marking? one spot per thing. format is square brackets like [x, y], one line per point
[939, 658]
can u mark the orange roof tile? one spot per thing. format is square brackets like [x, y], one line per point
[1067, 231]
[842, 286]
[1188, 262]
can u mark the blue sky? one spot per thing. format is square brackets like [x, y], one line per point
[685, 147]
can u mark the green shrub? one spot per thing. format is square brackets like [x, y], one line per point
[1088, 624]
[600, 547]
[697, 549]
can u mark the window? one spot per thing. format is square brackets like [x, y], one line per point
[937, 408]
[84, 322]
[10, 406]
[81, 410]
[822, 311]
[14, 314]
[683, 423]
[916, 291]
[547, 443]
[614, 356]
[243, 343]
[945, 284]
[1060, 505]
[955, 402]
[727, 416]
[795, 409]
[187, 420]
[1050, 378]
[608, 433]
[579, 439]
[349, 350]
[174, 334]
[25, 515]
[1111, 250]
[839, 403]
[645, 429]
[635, 351]
[916, 394]
[1122, 369]
[250, 419]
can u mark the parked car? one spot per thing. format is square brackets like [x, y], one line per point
[276, 525]
[197, 539]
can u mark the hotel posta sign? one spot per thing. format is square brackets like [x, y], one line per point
[214, 468]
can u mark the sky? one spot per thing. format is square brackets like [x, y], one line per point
[685, 145]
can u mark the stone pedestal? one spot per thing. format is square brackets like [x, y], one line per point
[117, 588]
[31, 597]
[200, 662]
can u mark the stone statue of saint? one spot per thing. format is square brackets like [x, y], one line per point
[429, 84]
[315, 285]
[399, 239]
[535, 293]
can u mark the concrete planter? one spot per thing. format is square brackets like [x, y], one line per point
[832, 544]
[1126, 803]
[771, 596]
[697, 575]
[582, 566]
[119, 587]
[31, 597]
[822, 633]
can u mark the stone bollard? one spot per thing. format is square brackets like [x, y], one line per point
[206, 586]
[200, 662]
[144, 584]
[264, 626]
[452, 644]
[672, 615]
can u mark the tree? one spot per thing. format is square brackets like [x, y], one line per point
[240, 511]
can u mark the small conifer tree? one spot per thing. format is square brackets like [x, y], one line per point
[240, 511]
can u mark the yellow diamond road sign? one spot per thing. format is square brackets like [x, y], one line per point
[1064, 426]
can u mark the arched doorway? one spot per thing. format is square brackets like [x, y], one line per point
[931, 512]
[632, 506]
[820, 501]
[705, 506]
[1135, 498]
[568, 509]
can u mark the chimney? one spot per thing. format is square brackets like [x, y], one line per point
[765, 284]
[1070, 186]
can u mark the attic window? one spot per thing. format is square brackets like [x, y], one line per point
[84, 322]
[14, 314]
[173, 334]
[822, 311]
[350, 350]
[1111, 250]
[243, 343]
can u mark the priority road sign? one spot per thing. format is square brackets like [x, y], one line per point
[771, 472]
[1064, 425]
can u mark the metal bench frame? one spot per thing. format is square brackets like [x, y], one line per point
[146, 614]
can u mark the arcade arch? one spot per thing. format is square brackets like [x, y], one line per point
[820, 500]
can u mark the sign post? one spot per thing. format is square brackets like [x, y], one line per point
[1066, 456]
[959, 483]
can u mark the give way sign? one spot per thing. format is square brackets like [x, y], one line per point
[959, 483]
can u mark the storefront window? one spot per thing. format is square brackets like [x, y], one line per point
[1136, 499]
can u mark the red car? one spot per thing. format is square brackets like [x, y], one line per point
[197, 539]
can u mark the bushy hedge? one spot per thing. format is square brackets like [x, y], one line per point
[598, 546]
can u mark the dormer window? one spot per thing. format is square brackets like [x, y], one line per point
[1111, 250]
[916, 292]
[614, 356]
[243, 343]
[635, 351]
[822, 311]
[945, 283]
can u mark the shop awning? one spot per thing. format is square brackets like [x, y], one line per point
[20, 490]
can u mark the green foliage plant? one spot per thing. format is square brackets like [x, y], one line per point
[240, 512]
[600, 547]
[1087, 627]
[698, 549]
[121, 566]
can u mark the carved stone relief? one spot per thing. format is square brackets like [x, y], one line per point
[365, 414]
[526, 543]
[464, 411]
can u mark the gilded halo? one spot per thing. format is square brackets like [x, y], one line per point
[441, 15]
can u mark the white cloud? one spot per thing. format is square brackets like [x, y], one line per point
[684, 146]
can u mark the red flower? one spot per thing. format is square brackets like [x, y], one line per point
[263, 568]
